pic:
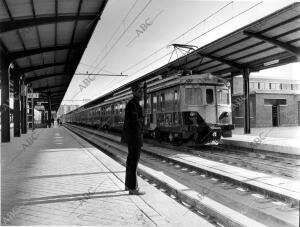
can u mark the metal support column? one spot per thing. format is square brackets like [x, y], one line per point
[49, 110]
[25, 113]
[5, 123]
[23, 108]
[33, 126]
[17, 113]
[30, 115]
[246, 73]
[145, 102]
[42, 117]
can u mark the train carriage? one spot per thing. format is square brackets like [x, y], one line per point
[177, 108]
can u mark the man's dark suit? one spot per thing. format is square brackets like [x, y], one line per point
[133, 136]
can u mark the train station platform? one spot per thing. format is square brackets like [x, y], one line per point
[52, 177]
[274, 139]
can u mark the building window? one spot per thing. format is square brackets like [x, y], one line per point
[287, 86]
[275, 102]
[295, 86]
[253, 85]
[275, 86]
[264, 86]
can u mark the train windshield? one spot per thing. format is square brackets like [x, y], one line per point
[222, 96]
[193, 96]
[192, 118]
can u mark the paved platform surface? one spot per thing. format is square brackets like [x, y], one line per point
[51, 177]
[292, 132]
[276, 139]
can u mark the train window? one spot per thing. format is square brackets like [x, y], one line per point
[141, 102]
[148, 104]
[169, 100]
[193, 96]
[112, 109]
[209, 96]
[162, 102]
[168, 118]
[154, 103]
[175, 97]
[175, 117]
[222, 96]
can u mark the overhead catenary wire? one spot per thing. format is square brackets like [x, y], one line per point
[123, 33]
[190, 29]
[115, 32]
[157, 51]
[207, 32]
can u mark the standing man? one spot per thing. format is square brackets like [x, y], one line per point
[133, 136]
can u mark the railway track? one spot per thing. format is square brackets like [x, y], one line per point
[250, 201]
[277, 164]
[257, 160]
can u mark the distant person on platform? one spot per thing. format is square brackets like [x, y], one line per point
[57, 121]
[133, 136]
[52, 121]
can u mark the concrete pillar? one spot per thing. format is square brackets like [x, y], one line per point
[5, 123]
[49, 110]
[246, 74]
[17, 112]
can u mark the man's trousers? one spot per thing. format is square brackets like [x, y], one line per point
[133, 157]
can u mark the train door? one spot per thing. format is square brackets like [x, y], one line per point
[210, 107]
[275, 115]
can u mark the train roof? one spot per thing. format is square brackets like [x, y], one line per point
[158, 83]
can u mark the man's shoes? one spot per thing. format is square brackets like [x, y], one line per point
[136, 192]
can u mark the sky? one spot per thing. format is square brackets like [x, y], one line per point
[133, 38]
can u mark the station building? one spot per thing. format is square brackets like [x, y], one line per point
[273, 102]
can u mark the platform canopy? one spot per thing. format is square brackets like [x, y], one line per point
[46, 39]
[271, 41]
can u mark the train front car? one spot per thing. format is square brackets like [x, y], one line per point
[205, 108]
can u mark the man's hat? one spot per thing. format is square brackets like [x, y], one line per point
[136, 86]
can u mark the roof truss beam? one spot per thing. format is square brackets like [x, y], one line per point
[37, 67]
[7, 26]
[40, 77]
[26, 53]
[285, 46]
[223, 60]
[50, 87]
